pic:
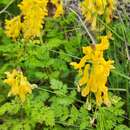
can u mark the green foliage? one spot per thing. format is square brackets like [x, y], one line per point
[51, 114]
[111, 115]
[4, 2]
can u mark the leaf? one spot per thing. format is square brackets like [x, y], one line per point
[121, 127]
[58, 87]
[74, 115]
[48, 116]
[10, 108]
[53, 43]
[84, 119]
[4, 2]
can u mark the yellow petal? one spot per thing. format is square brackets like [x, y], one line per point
[85, 76]
[85, 91]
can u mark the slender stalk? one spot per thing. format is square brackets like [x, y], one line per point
[109, 28]
[83, 24]
[117, 89]
[121, 75]
[6, 7]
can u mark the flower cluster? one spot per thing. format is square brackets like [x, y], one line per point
[33, 12]
[92, 9]
[19, 84]
[31, 19]
[13, 27]
[95, 70]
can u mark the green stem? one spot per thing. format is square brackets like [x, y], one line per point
[6, 7]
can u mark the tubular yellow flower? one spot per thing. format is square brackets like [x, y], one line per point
[34, 12]
[95, 70]
[100, 6]
[85, 77]
[31, 19]
[13, 27]
[91, 9]
[19, 85]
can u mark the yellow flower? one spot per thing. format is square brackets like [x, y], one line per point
[25, 88]
[89, 11]
[104, 45]
[100, 6]
[92, 9]
[81, 64]
[19, 85]
[31, 19]
[95, 70]
[34, 12]
[10, 77]
[13, 27]
[85, 77]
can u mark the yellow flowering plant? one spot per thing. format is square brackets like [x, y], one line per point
[95, 70]
[48, 66]
[33, 12]
[30, 21]
[92, 9]
[19, 84]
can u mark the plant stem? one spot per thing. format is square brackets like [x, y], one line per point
[83, 24]
[6, 7]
